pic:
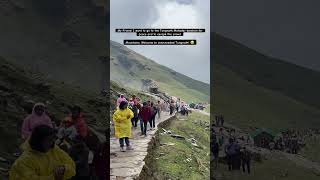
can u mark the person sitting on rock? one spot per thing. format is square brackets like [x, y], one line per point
[36, 118]
[122, 125]
[42, 159]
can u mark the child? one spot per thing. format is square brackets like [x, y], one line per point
[67, 129]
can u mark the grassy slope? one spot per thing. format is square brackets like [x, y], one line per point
[291, 80]
[126, 61]
[312, 149]
[33, 38]
[273, 169]
[244, 104]
[173, 164]
[253, 90]
[19, 87]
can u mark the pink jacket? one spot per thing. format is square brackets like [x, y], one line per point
[120, 100]
[33, 120]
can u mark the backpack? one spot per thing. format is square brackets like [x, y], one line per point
[155, 110]
[135, 110]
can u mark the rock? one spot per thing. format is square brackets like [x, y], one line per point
[161, 154]
[177, 136]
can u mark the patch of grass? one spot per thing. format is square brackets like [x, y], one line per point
[171, 161]
[312, 149]
[207, 109]
[272, 169]
[245, 104]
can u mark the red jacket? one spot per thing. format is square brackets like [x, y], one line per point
[81, 126]
[145, 113]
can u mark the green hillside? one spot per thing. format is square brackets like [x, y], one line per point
[253, 90]
[129, 68]
[289, 79]
[65, 40]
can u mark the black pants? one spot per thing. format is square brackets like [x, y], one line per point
[171, 110]
[230, 162]
[152, 121]
[246, 163]
[143, 126]
[121, 141]
[134, 121]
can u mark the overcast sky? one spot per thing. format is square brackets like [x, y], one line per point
[286, 29]
[193, 61]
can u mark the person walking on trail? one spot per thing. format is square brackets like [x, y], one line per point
[122, 124]
[178, 105]
[153, 116]
[79, 121]
[135, 118]
[232, 150]
[36, 118]
[159, 108]
[245, 159]
[215, 152]
[120, 99]
[171, 107]
[42, 159]
[145, 115]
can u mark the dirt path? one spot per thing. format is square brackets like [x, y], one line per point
[128, 165]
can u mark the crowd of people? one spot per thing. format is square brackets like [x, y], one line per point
[66, 151]
[130, 111]
[237, 155]
[292, 140]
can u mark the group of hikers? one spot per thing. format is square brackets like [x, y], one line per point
[237, 155]
[291, 140]
[130, 111]
[66, 151]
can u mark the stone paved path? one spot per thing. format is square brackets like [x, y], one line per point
[128, 165]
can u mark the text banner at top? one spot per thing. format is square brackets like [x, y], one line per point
[160, 30]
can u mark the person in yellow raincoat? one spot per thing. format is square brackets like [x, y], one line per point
[122, 125]
[42, 159]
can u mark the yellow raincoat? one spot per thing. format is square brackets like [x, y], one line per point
[34, 165]
[122, 124]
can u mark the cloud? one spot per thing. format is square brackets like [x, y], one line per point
[193, 61]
